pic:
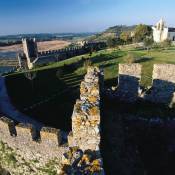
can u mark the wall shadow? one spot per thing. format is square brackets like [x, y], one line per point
[143, 59]
[131, 144]
[47, 96]
[161, 91]
[127, 87]
[153, 141]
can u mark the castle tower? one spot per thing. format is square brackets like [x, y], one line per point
[30, 50]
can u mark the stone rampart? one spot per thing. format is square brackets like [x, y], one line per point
[84, 141]
[59, 51]
[50, 56]
[32, 144]
[161, 91]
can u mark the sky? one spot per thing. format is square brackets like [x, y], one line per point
[62, 16]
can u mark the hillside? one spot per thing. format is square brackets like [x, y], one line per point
[111, 32]
[118, 29]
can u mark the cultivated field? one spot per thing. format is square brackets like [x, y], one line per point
[42, 46]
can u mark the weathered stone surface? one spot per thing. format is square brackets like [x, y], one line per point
[86, 115]
[75, 161]
[85, 133]
[163, 86]
[128, 82]
[20, 139]
[51, 136]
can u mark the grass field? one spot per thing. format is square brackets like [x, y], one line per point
[109, 60]
[56, 86]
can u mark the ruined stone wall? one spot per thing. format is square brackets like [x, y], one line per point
[84, 141]
[163, 83]
[31, 144]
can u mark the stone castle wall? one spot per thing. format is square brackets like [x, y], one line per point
[84, 141]
[58, 55]
[83, 153]
[32, 57]
[128, 81]
[163, 83]
[32, 144]
[59, 51]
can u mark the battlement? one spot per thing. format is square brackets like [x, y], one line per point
[32, 57]
[31, 143]
[59, 51]
[163, 83]
[86, 118]
[29, 132]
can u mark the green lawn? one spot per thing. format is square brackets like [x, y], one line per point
[109, 60]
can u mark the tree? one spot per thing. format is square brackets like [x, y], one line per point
[141, 32]
[166, 43]
[125, 36]
[148, 42]
[111, 42]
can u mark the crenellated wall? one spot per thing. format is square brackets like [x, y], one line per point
[163, 84]
[83, 142]
[58, 55]
[59, 51]
[83, 151]
[32, 57]
[161, 91]
[31, 143]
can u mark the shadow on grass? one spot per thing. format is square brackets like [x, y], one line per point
[144, 59]
[52, 96]
[104, 57]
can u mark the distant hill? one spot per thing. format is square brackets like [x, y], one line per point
[111, 32]
[16, 39]
[118, 29]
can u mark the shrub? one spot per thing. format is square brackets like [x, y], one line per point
[131, 58]
[166, 43]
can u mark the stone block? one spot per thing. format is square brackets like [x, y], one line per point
[128, 82]
[50, 136]
[26, 132]
[163, 85]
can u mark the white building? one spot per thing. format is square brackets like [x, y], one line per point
[161, 32]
